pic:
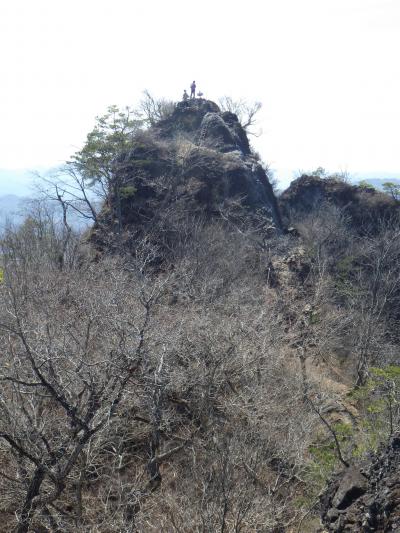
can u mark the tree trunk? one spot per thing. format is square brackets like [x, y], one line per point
[33, 491]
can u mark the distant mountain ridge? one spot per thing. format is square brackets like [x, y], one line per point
[16, 181]
[12, 208]
[378, 182]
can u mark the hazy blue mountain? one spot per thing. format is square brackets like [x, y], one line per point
[17, 182]
[378, 183]
[12, 208]
[377, 179]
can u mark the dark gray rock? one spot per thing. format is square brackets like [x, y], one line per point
[352, 486]
[354, 502]
[365, 208]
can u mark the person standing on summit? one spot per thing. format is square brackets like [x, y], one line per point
[193, 90]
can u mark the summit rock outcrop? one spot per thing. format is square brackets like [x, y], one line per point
[196, 162]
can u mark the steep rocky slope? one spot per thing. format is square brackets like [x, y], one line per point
[196, 162]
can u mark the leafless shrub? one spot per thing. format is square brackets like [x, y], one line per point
[245, 111]
[153, 109]
[144, 397]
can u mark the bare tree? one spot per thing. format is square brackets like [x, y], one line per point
[377, 297]
[153, 110]
[246, 112]
[71, 349]
[45, 238]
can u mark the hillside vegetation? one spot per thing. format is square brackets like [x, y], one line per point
[207, 357]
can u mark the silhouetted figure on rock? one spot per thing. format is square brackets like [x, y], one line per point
[193, 90]
[185, 96]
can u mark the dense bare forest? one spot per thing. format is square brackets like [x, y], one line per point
[208, 355]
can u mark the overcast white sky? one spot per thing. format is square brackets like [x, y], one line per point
[326, 71]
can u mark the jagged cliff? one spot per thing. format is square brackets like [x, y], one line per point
[196, 162]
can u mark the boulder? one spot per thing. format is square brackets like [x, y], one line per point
[352, 486]
[366, 499]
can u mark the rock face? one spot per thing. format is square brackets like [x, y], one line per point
[363, 206]
[196, 161]
[366, 499]
[202, 121]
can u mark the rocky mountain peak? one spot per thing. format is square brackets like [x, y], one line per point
[203, 122]
[194, 162]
